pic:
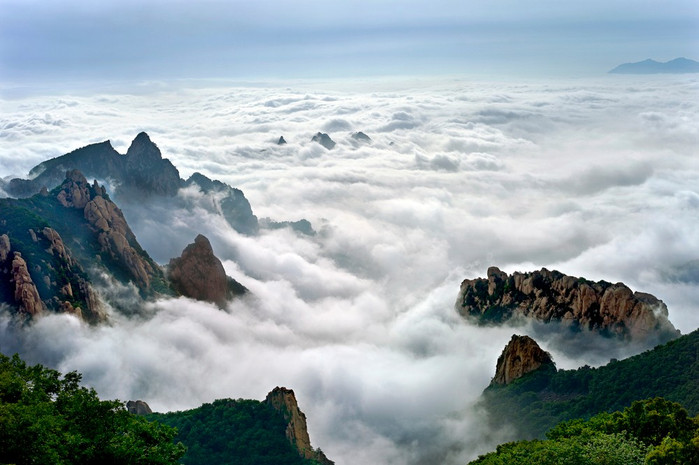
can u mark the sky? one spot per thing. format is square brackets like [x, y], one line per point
[497, 139]
[63, 43]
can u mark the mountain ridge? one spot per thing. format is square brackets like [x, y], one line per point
[648, 66]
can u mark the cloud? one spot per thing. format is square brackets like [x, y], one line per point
[359, 320]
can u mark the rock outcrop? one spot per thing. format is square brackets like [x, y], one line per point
[548, 296]
[138, 407]
[284, 401]
[324, 140]
[108, 223]
[26, 295]
[281, 140]
[199, 274]
[522, 355]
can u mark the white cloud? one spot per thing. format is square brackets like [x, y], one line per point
[593, 178]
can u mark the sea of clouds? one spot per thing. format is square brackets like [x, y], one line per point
[594, 178]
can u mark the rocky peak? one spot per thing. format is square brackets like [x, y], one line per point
[522, 355]
[199, 274]
[283, 400]
[142, 148]
[138, 407]
[26, 294]
[74, 191]
[324, 140]
[281, 140]
[548, 296]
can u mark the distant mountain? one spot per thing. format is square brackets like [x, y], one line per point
[676, 66]
[537, 400]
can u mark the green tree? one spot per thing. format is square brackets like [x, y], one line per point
[46, 418]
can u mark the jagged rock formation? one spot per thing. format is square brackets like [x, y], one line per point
[284, 401]
[522, 355]
[227, 200]
[26, 295]
[281, 140]
[199, 274]
[138, 407]
[547, 296]
[361, 137]
[81, 215]
[324, 140]
[139, 174]
[107, 221]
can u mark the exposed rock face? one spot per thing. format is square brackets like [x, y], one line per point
[284, 401]
[522, 355]
[611, 309]
[56, 246]
[324, 140]
[26, 294]
[109, 224]
[74, 190]
[138, 407]
[199, 274]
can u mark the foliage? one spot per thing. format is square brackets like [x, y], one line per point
[539, 400]
[230, 431]
[46, 418]
[653, 431]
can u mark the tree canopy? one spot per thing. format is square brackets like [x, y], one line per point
[49, 418]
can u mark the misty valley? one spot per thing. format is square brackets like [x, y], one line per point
[426, 272]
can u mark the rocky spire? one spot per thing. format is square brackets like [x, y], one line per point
[284, 401]
[26, 294]
[522, 355]
[199, 274]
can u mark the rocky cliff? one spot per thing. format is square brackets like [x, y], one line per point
[199, 274]
[284, 401]
[60, 242]
[547, 296]
[522, 355]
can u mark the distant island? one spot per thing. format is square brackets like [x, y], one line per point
[676, 66]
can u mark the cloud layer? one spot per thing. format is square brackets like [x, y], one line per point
[593, 178]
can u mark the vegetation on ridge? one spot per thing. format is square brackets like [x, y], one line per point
[543, 398]
[652, 432]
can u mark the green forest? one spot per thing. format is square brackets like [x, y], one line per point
[649, 432]
[240, 432]
[541, 399]
[49, 419]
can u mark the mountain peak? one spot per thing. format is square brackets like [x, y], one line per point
[649, 66]
[522, 355]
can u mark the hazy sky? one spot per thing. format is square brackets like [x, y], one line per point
[73, 40]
